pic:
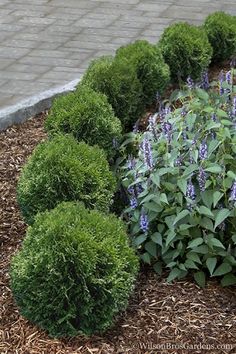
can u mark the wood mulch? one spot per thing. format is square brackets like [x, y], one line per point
[161, 318]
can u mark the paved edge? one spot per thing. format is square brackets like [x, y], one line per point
[32, 106]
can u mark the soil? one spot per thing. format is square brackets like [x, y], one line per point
[160, 318]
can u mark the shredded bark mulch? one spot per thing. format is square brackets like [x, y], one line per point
[161, 318]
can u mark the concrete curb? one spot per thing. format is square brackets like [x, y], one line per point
[30, 107]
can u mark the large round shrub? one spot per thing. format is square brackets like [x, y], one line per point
[149, 64]
[118, 80]
[88, 116]
[186, 50]
[221, 31]
[62, 170]
[75, 271]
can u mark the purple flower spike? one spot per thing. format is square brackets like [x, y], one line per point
[147, 153]
[131, 163]
[233, 192]
[202, 179]
[233, 63]
[152, 125]
[190, 192]
[190, 83]
[213, 117]
[144, 224]
[221, 80]
[203, 150]
[205, 81]
[234, 107]
[228, 77]
[133, 203]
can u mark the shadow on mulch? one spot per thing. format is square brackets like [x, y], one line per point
[161, 317]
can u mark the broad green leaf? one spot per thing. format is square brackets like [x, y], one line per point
[182, 184]
[234, 239]
[222, 269]
[215, 242]
[207, 223]
[195, 243]
[200, 279]
[221, 113]
[153, 207]
[214, 169]
[151, 248]
[158, 268]
[211, 263]
[190, 264]
[207, 198]
[181, 215]
[173, 274]
[216, 197]
[205, 211]
[170, 237]
[228, 279]
[146, 258]
[157, 238]
[221, 216]
[231, 174]
[156, 179]
[194, 257]
[163, 198]
[140, 239]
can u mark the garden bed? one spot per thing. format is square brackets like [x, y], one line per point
[159, 313]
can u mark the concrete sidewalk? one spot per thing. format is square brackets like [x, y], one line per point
[48, 43]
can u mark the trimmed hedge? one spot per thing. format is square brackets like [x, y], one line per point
[152, 71]
[75, 271]
[118, 80]
[63, 170]
[88, 116]
[186, 50]
[221, 31]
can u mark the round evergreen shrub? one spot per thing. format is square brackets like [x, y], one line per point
[150, 67]
[88, 116]
[118, 80]
[62, 170]
[221, 31]
[75, 271]
[186, 50]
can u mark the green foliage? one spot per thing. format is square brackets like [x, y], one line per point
[149, 64]
[118, 81]
[88, 116]
[186, 50]
[63, 170]
[221, 31]
[181, 183]
[75, 271]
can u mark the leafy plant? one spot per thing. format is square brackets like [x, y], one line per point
[186, 50]
[182, 184]
[88, 116]
[75, 271]
[63, 170]
[150, 67]
[118, 81]
[221, 31]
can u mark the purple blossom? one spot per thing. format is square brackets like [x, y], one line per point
[131, 163]
[205, 81]
[203, 150]
[133, 203]
[179, 161]
[147, 153]
[228, 77]
[144, 223]
[234, 107]
[213, 117]
[221, 80]
[202, 179]
[190, 83]
[233, 192]
[152, 125]
[139, 188]
[190, 192]
[167, 130]
[233, 63]
[183, 112]
[131, 190]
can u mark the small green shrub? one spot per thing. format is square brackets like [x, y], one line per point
[186, 50]
[62, 170]
[181, 183]
[118, 81]
[150, 67]
[75, 271]
[88, 116]
[221, 31]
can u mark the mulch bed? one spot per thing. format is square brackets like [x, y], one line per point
[159, 313]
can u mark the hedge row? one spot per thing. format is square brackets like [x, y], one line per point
[73, 254]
